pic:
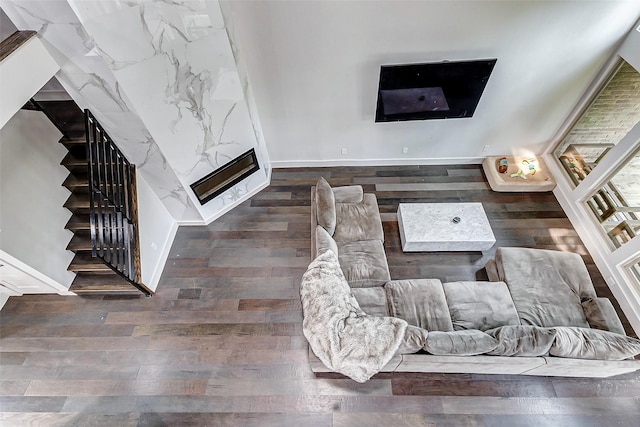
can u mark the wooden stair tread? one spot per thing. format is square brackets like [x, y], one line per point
[75, 181]
[66, 115]
[104, 289]
[83, 261]
[102, 283]
[92, 274]
[73, 141]
[77, 201]
[71, 160]
[78, 222]
[81, 241]
[76, 144]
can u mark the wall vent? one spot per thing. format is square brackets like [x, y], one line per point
[223, 178]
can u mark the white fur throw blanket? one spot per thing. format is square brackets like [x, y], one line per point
[344, 337]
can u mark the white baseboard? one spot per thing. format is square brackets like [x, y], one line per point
[59, 288]
[3, 299]
[376, 162]
[162, 259]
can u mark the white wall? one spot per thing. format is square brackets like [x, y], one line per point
[32, 218]
[6, 26]
[22, 74]
[630, 49]
[314, 66]
[157, 229]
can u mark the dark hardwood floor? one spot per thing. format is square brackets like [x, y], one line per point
[221, 341]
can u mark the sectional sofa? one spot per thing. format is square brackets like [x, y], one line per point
[538, 315]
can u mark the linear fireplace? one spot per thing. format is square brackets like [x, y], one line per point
[225, 177]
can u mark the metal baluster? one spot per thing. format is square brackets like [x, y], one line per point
[112, 204]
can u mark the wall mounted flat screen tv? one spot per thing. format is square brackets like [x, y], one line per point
[437, 90]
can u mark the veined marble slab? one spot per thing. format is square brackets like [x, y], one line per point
[162, 77]
[91, 83]
[176, 64]
[430, 227]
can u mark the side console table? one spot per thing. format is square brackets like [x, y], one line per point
[520, 176]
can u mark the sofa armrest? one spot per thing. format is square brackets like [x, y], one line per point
[601, 314]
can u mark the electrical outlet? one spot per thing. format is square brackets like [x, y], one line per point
[485, 148]
[343, 151]
[405, 150]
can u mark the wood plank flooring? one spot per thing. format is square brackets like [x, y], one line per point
[221, 342]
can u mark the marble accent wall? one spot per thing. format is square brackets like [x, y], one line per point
[161, 77]
[247, 88]
[90, 82]
[175, 63]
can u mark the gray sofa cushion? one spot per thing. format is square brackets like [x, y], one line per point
[585, 343]
[522, 340]
[364, 263]
[601, 315]
[492, 271]
[480, 305]
[348, 194]
[324, 241]
[546, 286]
[325, 206]
[414, 340]
[567, 266]
[372, 301]
[421, 302]
[461, 343]
[358, 221]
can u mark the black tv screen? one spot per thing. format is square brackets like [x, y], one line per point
[438, 90]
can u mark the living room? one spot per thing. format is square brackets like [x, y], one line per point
[210, 274]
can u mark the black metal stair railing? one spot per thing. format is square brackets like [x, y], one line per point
[113, 205]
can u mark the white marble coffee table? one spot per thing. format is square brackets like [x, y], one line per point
[430, 227]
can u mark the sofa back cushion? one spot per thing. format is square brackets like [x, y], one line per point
[324, 241]
[421, 302]
[480, 305]
[325, 206]
[546, 286]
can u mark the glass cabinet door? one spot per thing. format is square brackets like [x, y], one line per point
[613, 112]
[616, 204]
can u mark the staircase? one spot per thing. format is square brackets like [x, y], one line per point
[93, 275]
